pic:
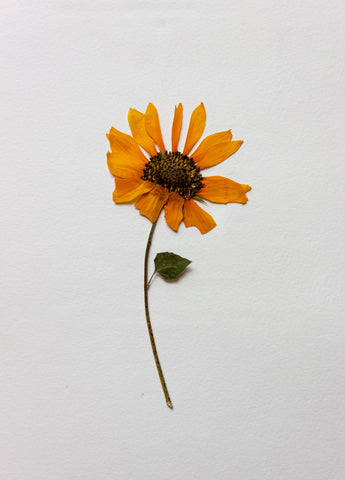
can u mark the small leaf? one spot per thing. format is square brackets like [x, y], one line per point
[199, 199]
[169, 265]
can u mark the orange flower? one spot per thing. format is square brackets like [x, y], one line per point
[172, 179]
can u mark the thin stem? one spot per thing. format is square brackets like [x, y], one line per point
[149, 282]
[148, 321]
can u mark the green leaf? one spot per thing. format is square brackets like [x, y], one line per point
[169, 265]
[199, 199]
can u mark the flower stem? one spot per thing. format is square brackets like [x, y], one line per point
[148, 321]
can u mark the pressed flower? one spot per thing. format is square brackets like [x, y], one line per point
[172, 180]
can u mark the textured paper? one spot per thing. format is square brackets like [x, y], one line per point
[252, 337]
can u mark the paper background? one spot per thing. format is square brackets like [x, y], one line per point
[252, 338]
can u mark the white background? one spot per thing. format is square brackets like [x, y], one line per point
[252, 338]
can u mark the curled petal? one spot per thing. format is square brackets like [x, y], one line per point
[125, 157]
[130, 189]
[176, 127]
[195, 216]
[223, 190]
[217, 154]
[153, 127]
[136, 122]
[174, 210]
[152, 202]
[196, 128]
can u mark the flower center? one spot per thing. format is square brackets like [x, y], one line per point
[174, 171]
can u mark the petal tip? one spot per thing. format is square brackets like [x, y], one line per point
[202, 106]
[246, 188]
[150, 105]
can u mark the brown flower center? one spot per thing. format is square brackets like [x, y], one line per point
[174, 171]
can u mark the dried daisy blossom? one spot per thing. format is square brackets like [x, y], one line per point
[172, 180]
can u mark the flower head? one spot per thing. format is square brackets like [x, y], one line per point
[172, 179]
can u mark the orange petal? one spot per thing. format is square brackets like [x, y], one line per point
[246, 188]
[126, 157]
[196, 127]
[194, 216]
[217, 154]
[223, 190]
[176, 127]
[119, 166]
[210, 142]
[152, 126]
[136, 122]
[173, 211]
[152, 202]
[129, 189]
